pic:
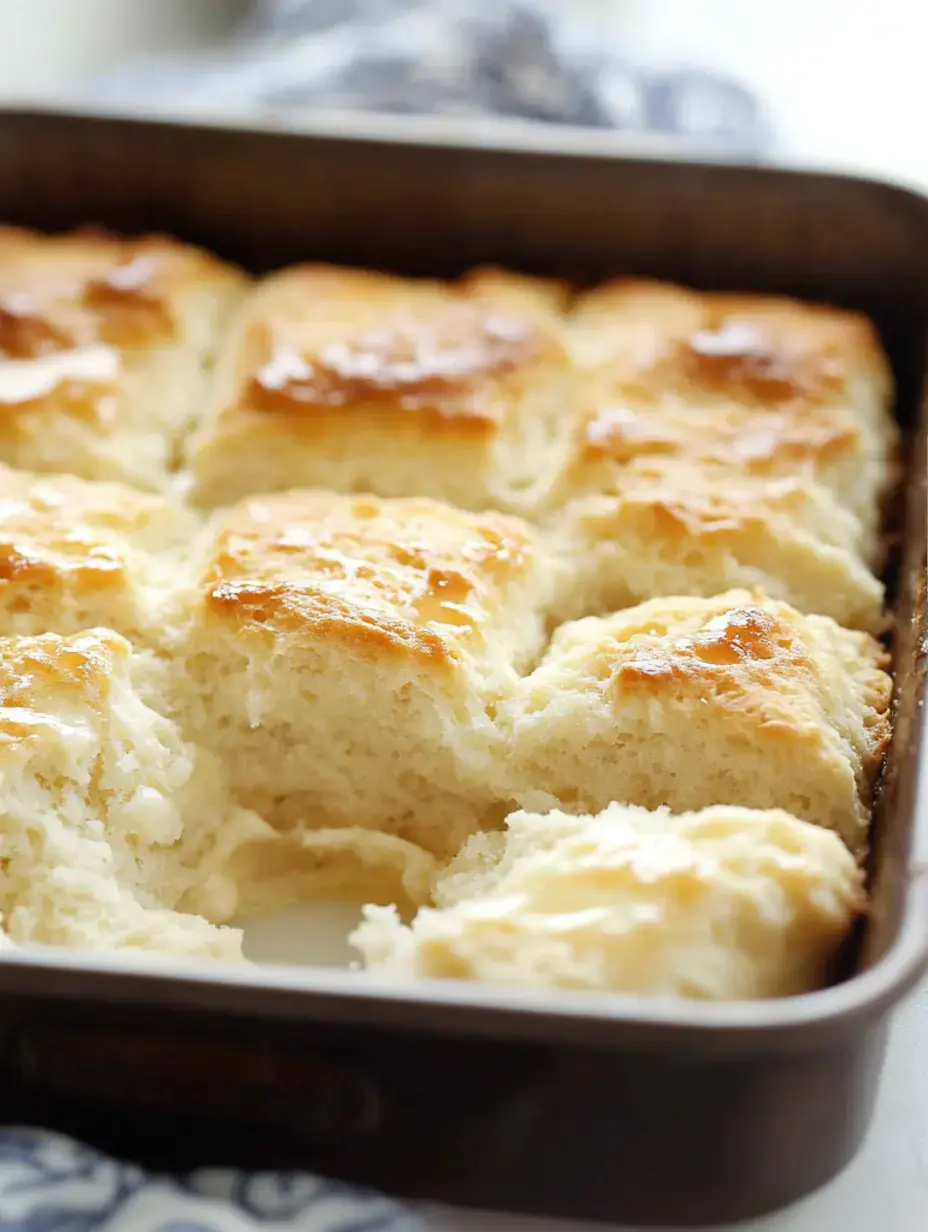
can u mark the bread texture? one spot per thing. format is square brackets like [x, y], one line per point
[309, 582]
[506, 392]
[670, 529]
[357, 381]
[344, 655]
[740, 385]
[96, 787]
[722, 904]
[75, 554]
[104, 348]
[690, 703]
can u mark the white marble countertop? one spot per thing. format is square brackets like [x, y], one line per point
[846, 87]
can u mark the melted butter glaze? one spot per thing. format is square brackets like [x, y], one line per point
[432, 364]
[25, 333]
[739, 635]
[61, 341]
[131, 311]
[324, 617]
[425, 593]
[624, 434]
[780, 433]
[90, 564]
[785, 396]
[735, 357]
[82, 381]
[683, 506]
[742, 637]
[745, 436]
[698, 515]
[443, 599]
[41, 672]
[337, 563]
[117, 305]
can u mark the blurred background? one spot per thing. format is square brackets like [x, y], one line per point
[833, 82]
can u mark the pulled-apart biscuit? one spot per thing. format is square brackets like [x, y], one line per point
[104, 347]
[722, 904]
[96, 788]
[344, 656]
[358, 381]
[695, 702]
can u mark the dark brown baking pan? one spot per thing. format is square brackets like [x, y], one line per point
[608, 1107]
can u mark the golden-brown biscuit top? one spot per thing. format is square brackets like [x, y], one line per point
[64, 529]
[320, 341]
[742, 639]
[748, 381]
[623, 427]
[742, 649]
[410, 576]
[689, 506]
[63, 292]
[46, 680]
[765, 350]
[75, 307]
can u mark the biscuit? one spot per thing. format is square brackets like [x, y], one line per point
[344, 655]
[75, 554]
[669, 529]
[104, 345]
[696, 702]
[338, 667]
[95, 789]
[358, 381]
[722, 904]
[740, 385]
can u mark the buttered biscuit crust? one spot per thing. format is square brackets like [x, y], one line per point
[308, 581]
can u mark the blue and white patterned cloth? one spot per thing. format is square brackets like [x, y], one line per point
[526, 59]
[51, 1184]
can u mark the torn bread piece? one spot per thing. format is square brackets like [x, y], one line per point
[75, 554]
[671, 529]
[96, 789]
[364, 382]
[105, 345]
[689, 703]
[344, 656]
[738, 384]
[722, 904]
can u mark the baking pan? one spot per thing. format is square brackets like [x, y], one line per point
[580, 1105]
